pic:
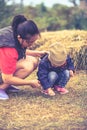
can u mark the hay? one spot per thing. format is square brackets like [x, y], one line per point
[74, 40]
[82, 58]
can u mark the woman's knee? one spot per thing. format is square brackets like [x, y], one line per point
[30, 66]
[35, 62]
[30, 63]
[25, 68]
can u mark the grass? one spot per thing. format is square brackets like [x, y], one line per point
[30, 110]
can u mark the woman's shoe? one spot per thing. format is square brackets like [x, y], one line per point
[12, 88]
[3, 95]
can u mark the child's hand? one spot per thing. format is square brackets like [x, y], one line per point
[71, 73]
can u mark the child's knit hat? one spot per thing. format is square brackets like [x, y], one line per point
[57, 54]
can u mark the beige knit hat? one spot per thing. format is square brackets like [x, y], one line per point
[57, 54]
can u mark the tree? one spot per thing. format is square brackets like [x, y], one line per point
[7, 12]
[74, 2]
[2, 9]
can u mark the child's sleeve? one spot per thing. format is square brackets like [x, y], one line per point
[70, 64]
[43, 75]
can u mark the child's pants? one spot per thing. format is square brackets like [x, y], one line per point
[59, 79]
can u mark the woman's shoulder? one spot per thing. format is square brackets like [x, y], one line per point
[6, 32]
[6, 37]
[5, 29]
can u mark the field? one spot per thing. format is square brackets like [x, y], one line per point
[29, 109]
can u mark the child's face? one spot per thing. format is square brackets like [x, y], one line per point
[57, 65]
[54, 65]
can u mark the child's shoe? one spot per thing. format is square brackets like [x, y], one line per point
[49, 92]
[61, 90]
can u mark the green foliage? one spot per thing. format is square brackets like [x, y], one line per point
[57, 17]
[42, 8]
[78, 20]
[74, 2]
[2, 9]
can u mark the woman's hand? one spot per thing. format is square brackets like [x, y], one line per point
[35, 83]
[41, 53]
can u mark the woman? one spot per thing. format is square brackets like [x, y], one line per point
[16, 61]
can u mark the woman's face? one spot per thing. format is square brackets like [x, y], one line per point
[27, 43]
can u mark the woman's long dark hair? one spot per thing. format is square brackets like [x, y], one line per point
[27, 29]
[15, 23]
[23, 27]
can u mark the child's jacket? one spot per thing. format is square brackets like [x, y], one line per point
[45, 67]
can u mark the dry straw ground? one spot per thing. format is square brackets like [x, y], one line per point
[30, 110]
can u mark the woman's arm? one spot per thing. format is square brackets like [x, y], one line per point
[10, 79]
[35, 53]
